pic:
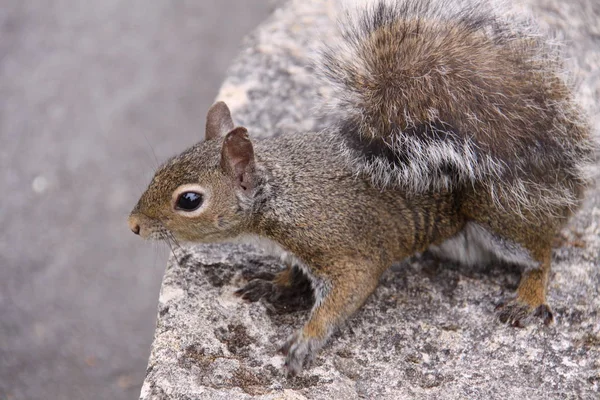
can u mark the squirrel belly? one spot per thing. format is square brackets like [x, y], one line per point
[455, 131]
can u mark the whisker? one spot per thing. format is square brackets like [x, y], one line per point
[151, 149]
[175, 240]
[168, 237]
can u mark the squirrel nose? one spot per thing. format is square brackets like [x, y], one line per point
[133, 225]
[135, 229]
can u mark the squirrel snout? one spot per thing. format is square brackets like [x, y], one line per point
[134, 225]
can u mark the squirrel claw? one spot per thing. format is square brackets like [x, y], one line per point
[514, 312]
[283, 298]
[299, 351]
[254, 290]
[545, 313]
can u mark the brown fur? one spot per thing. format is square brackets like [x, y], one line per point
[430, 96]
[346, 231]
[302, 193]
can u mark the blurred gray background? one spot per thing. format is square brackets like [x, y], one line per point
[92, 94]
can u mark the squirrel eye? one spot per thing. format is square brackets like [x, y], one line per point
[188, 201]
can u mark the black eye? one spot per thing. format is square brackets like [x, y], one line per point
[189, 201]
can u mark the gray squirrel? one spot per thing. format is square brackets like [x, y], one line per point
[455, 132]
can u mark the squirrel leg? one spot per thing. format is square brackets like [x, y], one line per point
[337, 298]
[531, 294]
[288, 290]
[512, 239]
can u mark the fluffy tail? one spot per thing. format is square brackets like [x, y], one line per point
[435, 94]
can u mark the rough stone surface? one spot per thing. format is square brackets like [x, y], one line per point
[429, 330]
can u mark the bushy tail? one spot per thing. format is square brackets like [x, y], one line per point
[435, 94]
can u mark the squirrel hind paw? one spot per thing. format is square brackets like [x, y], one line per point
[515, 312]
[545, 313]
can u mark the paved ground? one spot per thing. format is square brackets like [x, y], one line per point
[88, 91]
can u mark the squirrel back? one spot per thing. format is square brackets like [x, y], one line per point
[432, 95]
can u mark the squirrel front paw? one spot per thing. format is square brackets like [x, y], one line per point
[286, 291]
[255, 290]
[513, 313]
[300, 350]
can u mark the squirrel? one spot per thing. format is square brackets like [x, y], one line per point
[455, 132]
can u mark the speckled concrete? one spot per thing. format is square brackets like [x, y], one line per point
[429, 331]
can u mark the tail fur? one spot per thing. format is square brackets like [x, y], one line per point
[438, 94]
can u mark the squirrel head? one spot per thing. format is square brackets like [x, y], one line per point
[205, 194]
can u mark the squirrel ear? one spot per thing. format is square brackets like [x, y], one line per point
[218, 121]
[237, 157]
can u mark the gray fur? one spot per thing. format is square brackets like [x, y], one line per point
[438, 116]
[477, 245]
